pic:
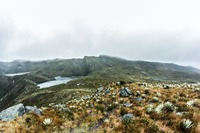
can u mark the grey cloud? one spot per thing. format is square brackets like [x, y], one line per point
[62, 44]
[155, 46]
[152, 46]
[6, 33]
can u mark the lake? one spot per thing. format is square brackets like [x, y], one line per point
[58, 80]
[15, 74]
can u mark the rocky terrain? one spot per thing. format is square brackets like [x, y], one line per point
[109, 94]
[119, 107]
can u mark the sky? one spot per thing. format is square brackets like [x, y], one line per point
[151, 30]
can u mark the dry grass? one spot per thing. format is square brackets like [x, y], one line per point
[102, 113]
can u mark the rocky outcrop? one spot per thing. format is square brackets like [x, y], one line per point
[17, 110]
[12, 112]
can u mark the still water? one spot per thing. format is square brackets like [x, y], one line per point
[15, 74]
[58, 80]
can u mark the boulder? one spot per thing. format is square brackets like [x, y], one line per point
[17, 110]
[34, 109]
[12, 112]
[125, 92]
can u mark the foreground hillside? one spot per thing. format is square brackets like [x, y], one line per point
[118, 107]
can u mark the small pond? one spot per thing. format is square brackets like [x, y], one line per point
[58, 80]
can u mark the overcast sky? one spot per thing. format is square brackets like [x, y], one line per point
[153, 30]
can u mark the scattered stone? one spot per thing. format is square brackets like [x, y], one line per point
[155, 99]
[138, 99]
[100, 89]
[107, 91]
[127, 104]
[143, 96]
[125, 92]
[117, 83]
[127, 116]
[34, 109]
[12, 112]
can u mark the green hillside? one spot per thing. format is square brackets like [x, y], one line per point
[91, 71]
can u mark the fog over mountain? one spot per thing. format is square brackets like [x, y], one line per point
[145, 30]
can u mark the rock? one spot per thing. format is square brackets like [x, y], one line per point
[143, 95]
[155, 99]
[64, 109]
[34, 109]
[12, 112]
[100, 89]
[127, 116]
[138, 99]
[118, 83]
[125, 92]
[107, 91]
[127, 104]
[17, 110]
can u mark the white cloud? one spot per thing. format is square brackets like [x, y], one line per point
[147, 30]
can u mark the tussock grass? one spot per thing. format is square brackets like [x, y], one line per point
[102, 112]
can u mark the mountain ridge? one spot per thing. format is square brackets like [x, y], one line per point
[16, 63]
[90, 64]
[92, 72]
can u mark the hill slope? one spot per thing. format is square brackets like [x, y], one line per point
[89, 65]
[92, 72]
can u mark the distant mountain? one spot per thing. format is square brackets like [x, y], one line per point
[90, 64]
[92, 71]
